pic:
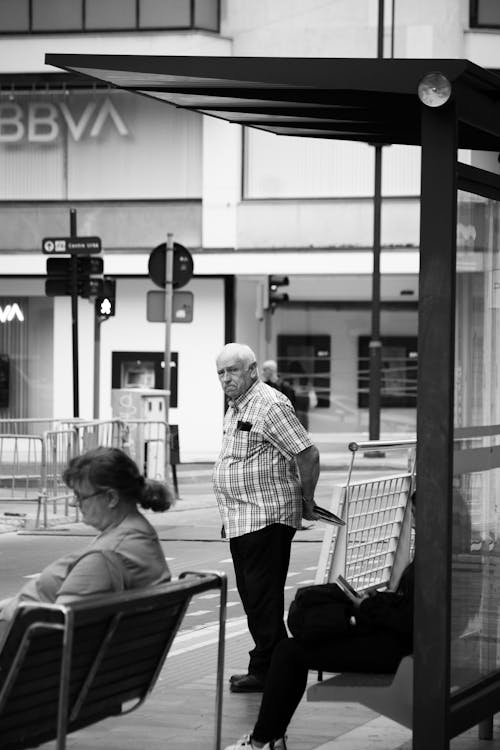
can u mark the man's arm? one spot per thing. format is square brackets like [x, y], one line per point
[308, 465]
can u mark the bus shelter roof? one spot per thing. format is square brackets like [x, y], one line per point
[357, 99]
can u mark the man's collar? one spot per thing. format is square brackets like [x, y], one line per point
[242, 400]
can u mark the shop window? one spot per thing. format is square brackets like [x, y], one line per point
[57, 15]
[144, 370]
[485, 14]
[14, 15]
[304, 362]
[399, 372]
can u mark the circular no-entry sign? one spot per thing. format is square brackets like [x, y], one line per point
[182, 265]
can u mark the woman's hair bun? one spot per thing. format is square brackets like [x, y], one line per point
[156, 496]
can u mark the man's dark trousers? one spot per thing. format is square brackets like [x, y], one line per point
[261, 560]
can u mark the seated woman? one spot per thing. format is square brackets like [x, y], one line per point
[126, 553]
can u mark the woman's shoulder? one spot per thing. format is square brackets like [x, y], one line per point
[134, 527]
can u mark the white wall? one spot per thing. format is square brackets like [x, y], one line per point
[343, 28]
[221, 182]
[200, 410]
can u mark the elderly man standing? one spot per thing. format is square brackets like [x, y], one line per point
[264, 481]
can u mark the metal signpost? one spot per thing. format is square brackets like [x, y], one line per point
[65, 281]
[170, 266]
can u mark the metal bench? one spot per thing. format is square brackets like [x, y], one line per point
[371, 551]
[387, 694]
[374, 546]
[63, 668]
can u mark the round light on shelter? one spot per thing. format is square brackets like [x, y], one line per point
[434, 89]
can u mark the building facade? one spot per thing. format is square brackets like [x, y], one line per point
[247, 204]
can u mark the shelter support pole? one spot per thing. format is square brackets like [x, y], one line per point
[375, 345]
[436, 344]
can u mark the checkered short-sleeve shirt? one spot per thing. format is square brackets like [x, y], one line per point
[255, 478]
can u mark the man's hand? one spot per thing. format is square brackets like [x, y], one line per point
[308, 512]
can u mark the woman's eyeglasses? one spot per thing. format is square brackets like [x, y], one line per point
[80, 498]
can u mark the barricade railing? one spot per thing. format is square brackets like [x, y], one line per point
[22, 469]
[146, 441]
[31, 465]
[374, 546]
[28, 425]
[92, 433]
[60, 447]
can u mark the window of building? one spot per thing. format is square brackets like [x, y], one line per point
[206, 15]
[485, 13]
[169, 13]
[295, 167]
[93, 146]
[110, 14]
[399, 371]
[304, 363]
[14, 15]
[48, 16]
[56, 15]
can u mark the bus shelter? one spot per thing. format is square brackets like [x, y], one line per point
[442, 106]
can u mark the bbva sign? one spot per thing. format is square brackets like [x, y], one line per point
[41, 122]
[10, 312]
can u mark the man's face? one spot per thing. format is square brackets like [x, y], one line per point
[235, 376]
[268, 373]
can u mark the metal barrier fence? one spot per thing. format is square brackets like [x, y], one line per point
[22, 472]
[31, 464]
[374, 546]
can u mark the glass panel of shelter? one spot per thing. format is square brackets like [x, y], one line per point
[475, 611]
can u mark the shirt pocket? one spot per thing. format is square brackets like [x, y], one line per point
[246, 444]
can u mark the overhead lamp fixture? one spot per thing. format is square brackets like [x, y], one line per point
[434, 89]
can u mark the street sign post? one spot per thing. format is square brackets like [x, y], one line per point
[182, 270]
[182, 307]
[60, 280]
[73, 276]
[71, 245]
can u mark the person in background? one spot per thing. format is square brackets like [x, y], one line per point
[125, 554]
[270, 377]
[264, 480]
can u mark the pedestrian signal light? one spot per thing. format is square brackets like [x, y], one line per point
[105, 303]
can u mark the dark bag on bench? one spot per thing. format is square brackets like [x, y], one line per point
[320, 612]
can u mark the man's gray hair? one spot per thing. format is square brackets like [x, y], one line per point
[270, 364]
[239, 351]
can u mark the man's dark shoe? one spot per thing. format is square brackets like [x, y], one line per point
[248, 683]
[236, 677]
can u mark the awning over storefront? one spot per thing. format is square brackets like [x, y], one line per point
[370, 100]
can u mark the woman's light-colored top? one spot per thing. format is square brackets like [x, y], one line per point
[125, 556]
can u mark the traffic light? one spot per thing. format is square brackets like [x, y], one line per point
[274, 297]
[105, 302]
[59, 276]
